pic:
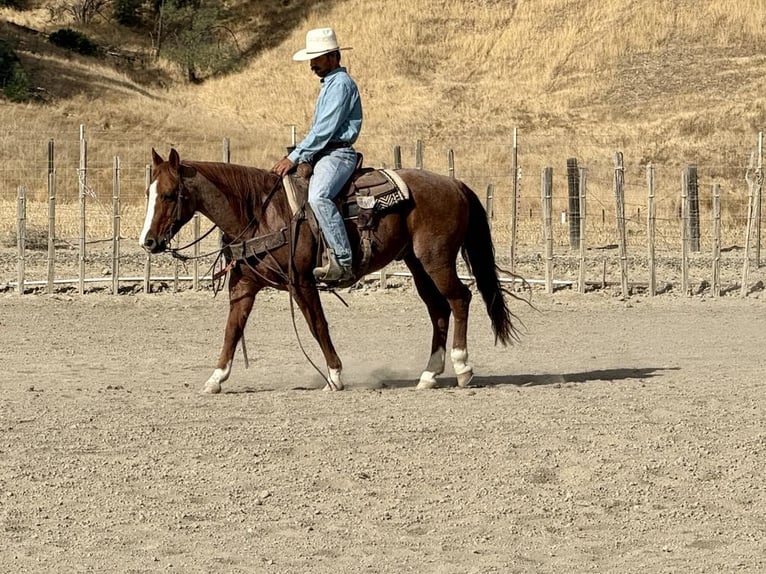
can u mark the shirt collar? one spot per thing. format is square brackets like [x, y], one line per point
[331, 74]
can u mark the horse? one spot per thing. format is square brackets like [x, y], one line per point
[441, 218]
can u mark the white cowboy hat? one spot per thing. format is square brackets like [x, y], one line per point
[318, 42]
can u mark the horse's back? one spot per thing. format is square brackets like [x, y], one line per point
[434, 194]
[439, 212]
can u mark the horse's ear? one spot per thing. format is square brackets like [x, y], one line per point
[156, 158]
[174, 160]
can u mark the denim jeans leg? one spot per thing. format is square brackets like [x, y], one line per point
[331, 171]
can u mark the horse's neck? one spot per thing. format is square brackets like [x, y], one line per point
[221, 209]
[239, 215]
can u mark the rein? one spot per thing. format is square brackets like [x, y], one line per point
[176, 251]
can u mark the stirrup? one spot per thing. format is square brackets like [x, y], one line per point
[333, 272]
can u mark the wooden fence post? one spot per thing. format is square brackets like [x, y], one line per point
[685, 231]
[749, 227]
[116, 227]
[514, 196]
[573, 176]
[451, 163]
[489, 203]
[21, 238]
[83, 179]
[547, 201]
[148, 264]
[195, 263]
[226, 150]
[693, 211]
[51, 219]
[758, 200]
[227, 159]
[619, 196]
[419, 155]
[651, 226]
[716, 240]
[582, 214]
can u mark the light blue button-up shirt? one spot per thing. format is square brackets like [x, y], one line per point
[337, 116]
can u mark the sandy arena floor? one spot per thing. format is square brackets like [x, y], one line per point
[618, 436]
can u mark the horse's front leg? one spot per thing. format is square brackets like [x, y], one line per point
[307, 297]
[241, 298]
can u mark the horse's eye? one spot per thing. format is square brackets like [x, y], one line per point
[169, 197]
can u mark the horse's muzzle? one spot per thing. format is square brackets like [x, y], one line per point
[153, 245]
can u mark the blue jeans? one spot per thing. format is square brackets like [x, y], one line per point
[331, 171]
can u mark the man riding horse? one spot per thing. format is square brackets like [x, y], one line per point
[328, 147]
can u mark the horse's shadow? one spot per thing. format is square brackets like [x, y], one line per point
[530, 380]
[385, 382]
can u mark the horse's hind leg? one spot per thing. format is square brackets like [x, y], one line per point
[439, 312]
[459, 297]
[307, 297]
[442, 273]
[241, 298]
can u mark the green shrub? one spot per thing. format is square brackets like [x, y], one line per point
[8, 59]
[17, 88]
[74, 41]
[13, 78]
[128, 12]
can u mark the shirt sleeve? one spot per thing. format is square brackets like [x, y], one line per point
[331, 112]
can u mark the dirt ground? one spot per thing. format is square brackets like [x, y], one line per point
[619, 435]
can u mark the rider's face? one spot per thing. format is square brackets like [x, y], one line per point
[323, 65]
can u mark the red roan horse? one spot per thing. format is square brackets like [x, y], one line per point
[442, 217]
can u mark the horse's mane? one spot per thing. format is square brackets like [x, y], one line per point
[249, 186]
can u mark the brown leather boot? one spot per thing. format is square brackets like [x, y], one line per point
[333, 272]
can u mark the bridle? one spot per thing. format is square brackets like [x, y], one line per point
[176, 225]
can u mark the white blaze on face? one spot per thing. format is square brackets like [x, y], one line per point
[152, 201]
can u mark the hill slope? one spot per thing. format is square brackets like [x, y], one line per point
[666, 81]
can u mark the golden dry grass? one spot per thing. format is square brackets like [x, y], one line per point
[666, 82]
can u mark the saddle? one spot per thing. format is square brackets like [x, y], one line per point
[367, 195]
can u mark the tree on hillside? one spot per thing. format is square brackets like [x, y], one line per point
[14, 82]
[83, 11]
[128, 12]
[192, 34]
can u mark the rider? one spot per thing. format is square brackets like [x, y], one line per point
[328, 146]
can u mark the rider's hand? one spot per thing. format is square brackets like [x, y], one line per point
[283, 167]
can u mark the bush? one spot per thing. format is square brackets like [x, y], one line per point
[17, 88]
[8, 60]
[73, 40]
[128, 12]
[13, 78]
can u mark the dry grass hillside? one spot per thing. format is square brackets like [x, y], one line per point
[665, 81]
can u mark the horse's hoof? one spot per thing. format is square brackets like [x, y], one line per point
[211, 388]
[426, 384]
[331, 386]
[464, 379]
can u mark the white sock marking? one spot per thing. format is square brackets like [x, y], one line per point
[459, 358]
[220, 375]
[335, 382]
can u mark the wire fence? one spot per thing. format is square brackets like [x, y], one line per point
[85, 169]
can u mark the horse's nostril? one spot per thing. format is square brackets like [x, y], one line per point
[149, 244]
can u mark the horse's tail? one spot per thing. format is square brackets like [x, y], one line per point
[479, 254]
